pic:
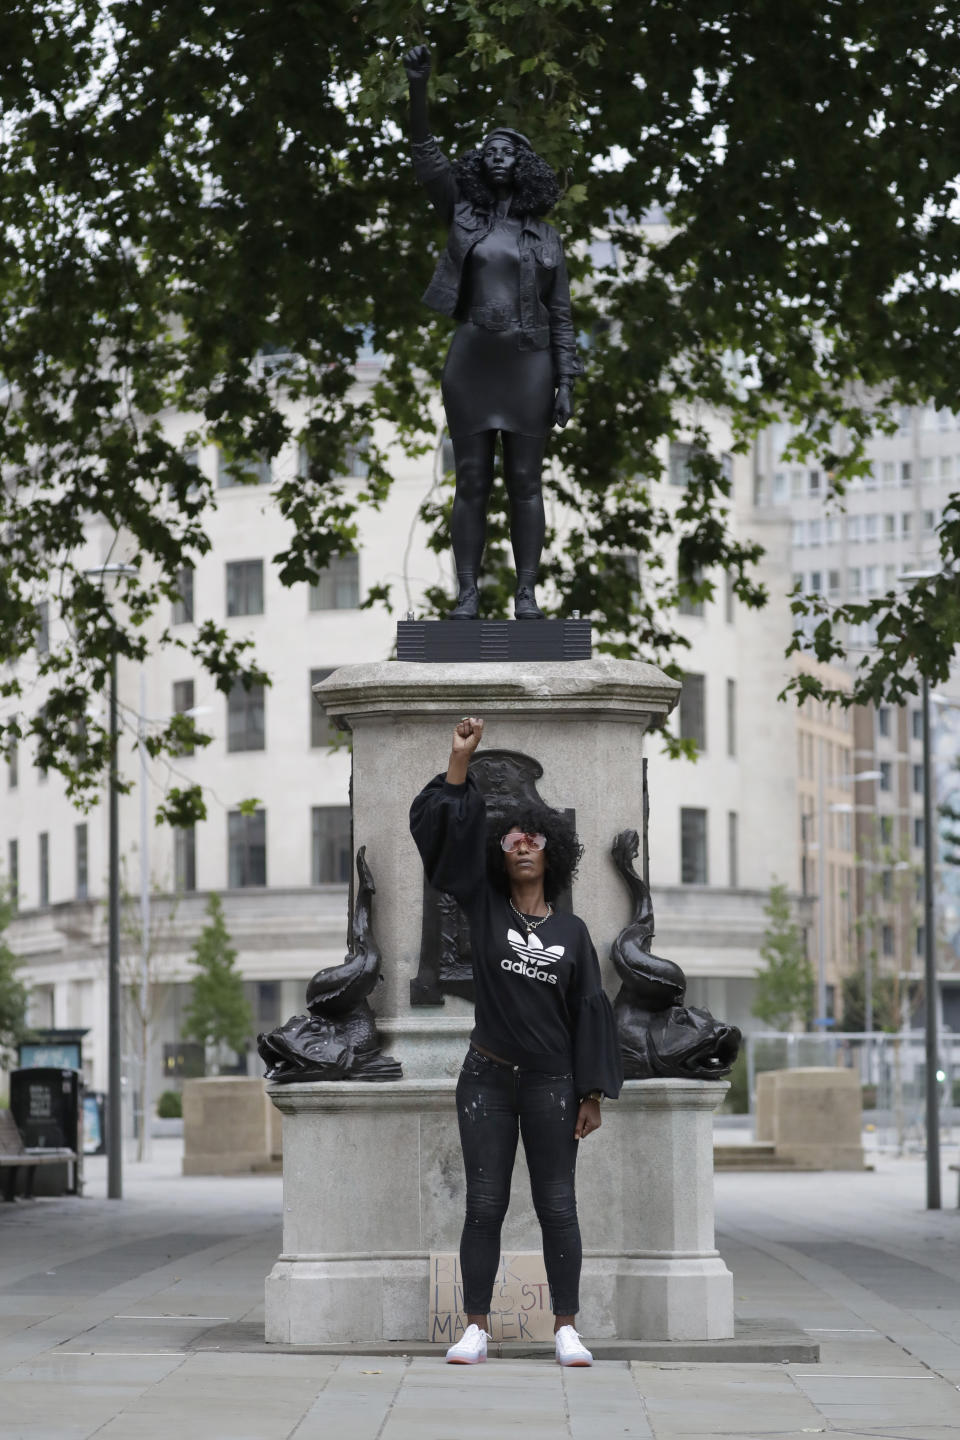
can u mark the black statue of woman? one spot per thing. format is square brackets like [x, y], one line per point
[513, 360]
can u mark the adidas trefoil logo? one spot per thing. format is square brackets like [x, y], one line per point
[532, 957]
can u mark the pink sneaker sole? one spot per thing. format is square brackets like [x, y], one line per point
[461, 1360]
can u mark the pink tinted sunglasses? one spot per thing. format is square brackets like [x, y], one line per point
[513, 838]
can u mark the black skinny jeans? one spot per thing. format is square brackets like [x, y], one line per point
[495, 1104]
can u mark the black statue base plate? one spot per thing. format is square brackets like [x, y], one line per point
[485, 641]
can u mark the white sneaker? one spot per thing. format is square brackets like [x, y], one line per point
[570, 1350]
[470, 1349]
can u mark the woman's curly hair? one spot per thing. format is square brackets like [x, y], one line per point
[536, 188]
[563, 847]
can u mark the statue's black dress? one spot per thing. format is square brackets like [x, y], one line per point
[489, 383]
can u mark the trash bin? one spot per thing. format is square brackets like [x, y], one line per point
[46, 1104]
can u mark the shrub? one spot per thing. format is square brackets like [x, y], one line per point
[170, 1105]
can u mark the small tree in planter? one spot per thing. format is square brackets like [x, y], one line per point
[218, 1014]
[785, 986]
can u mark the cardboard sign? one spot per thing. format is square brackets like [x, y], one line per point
[519, 1310]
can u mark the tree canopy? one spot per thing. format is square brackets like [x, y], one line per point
[187, 187]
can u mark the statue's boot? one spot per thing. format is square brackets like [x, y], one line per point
[525, 605]
[468, 600]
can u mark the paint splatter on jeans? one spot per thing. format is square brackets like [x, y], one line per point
[495, 1105]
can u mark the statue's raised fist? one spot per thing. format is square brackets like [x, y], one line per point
[416, 62]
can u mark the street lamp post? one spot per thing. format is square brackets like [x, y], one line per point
[114, 1036]
[931, 1045]
[930, 970]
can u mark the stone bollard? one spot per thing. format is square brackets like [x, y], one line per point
[373, 1182]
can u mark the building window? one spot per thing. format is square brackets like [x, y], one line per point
[728, 598]
[331, 857]
[680, 457]
[854, 529]
[42, 645]
[246, 729]
[887, 939]
[946, 467]
[883, 720]
[244, 587]
[247, 849]
[799, 538]
[918, 832]
[814, 482]
[183, 702]
[44, 859]
[920, 940]
[918, 779]
[13, 765]
[813, 532]
[693, 847]
[871, 527]
[241, 472]
[732, 849]
[886, 775]
[906, 524]
[321, 730]
[693, 718]
[731, 717]
[916, 724]
[833, 583]
[886, 884]
[185, 858]
[853, 580]
[339, 585]
[886, 829]
[183, 605]
[13, 870]
[905, 472]
[82, 867]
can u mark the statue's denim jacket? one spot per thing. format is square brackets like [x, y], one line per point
[544, 298]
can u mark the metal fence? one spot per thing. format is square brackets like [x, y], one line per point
[892, 1070]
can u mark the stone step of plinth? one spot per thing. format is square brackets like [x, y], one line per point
[756, 1155]
[754, 1342]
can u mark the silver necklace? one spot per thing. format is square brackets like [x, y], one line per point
[531, 924]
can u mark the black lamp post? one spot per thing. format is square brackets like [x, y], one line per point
[114, 1035]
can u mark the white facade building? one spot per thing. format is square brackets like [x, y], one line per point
[720, 830]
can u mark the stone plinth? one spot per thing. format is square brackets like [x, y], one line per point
[813, 1116]
[373, 1181]
[583, 720]
[229, 1126]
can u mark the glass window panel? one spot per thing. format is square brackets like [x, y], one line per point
[321, 730]
[734, 859]
[246, 729]
[13, 869]
[330, 836]
[81, 861]
[44, 868]
[693, 847]
[693, 717]
[183, 605]
[247, 848]
[244, 587]
[242, 472]
[185, 858]
[339, 585]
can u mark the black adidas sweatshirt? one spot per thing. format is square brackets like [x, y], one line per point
[539, 999]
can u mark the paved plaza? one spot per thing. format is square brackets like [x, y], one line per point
[142, 1319]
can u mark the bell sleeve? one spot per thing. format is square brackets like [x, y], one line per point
[449, 824]
[597, 1060]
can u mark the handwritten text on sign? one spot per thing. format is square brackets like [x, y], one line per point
[519, 1310]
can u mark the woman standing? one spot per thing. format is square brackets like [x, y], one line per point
[513, 360]
[544, 1047]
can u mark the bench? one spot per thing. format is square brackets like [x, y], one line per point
[15, 1156]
